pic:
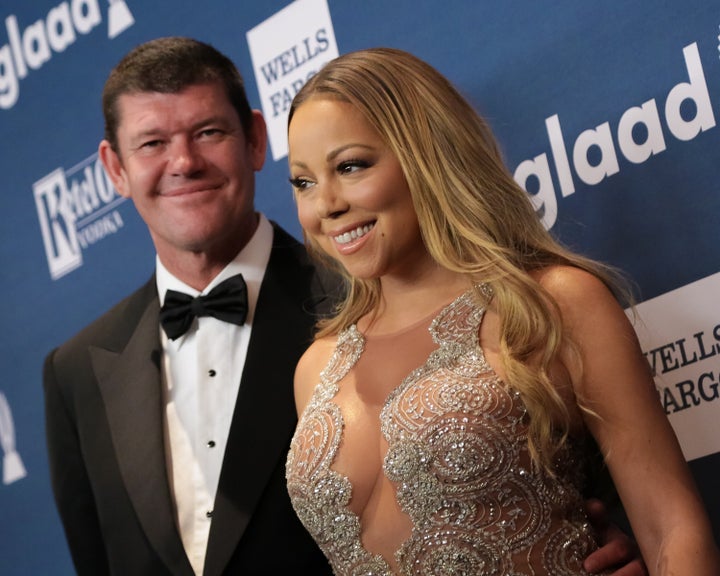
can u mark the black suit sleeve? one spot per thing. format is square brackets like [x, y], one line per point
[70, 483]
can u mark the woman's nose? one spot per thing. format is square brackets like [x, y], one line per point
[330, 203]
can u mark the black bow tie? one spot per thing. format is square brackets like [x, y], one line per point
[227, 302]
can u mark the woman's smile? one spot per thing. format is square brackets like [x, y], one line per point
[352, 196]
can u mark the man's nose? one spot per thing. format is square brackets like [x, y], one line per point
[185, 157]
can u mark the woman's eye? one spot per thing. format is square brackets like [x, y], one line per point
[300, 183]
[350, 166]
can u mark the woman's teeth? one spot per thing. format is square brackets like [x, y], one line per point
[359, 232]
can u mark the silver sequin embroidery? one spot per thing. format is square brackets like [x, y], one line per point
[459, 461]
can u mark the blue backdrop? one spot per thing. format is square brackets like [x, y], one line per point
[606, 113]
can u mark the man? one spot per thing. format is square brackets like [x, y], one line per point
[168, 434]
[153, 470]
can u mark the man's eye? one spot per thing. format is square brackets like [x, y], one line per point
[151, 144]
[210, 132]
[300, 183]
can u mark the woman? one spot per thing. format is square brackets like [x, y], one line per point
[445, 407]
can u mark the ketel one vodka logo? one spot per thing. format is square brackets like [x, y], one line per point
[13, 468]
[76, 208]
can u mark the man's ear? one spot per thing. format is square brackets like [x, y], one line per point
[257, 140]
[114, 168]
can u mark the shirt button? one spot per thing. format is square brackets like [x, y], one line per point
[211, 444]
[212, 373]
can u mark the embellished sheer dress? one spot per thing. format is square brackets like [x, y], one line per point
[456, 459]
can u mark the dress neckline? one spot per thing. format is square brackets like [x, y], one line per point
[425, 320]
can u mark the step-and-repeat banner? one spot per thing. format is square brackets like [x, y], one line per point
[607, 113]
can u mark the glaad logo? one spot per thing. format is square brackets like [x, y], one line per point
[31, 48]
[13, 469]
[644, 119]
[119, 18]
[76, 208]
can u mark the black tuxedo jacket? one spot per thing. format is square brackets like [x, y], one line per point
[104, 423]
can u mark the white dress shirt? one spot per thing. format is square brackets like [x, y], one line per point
[201, 373]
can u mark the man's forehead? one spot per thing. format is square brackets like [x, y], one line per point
[199, 90]
[191, 104]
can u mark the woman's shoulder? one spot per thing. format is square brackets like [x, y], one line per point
[318, 354]
[307, 371]
[570, 286]
[321, 346]
[592, 316]
[588, 306]
[564, 277]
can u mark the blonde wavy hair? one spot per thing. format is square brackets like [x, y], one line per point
[474, 218]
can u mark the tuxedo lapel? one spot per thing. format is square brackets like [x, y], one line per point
[264, 417]
[129, 381]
